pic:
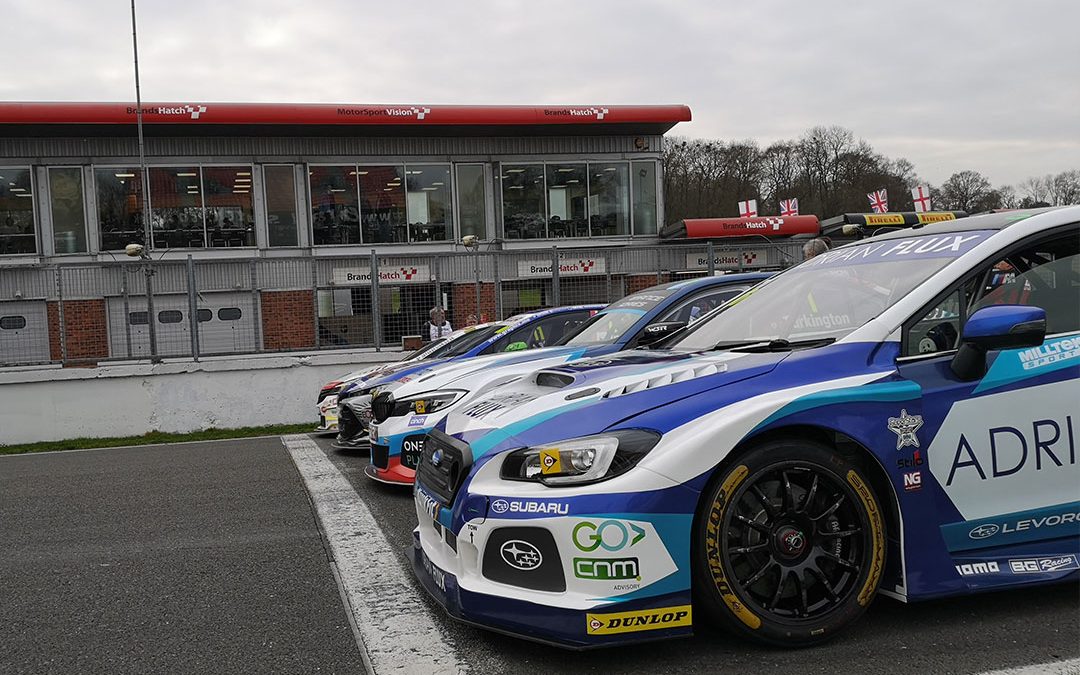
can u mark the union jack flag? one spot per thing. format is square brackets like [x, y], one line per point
[748, 208]
[879, 200]
[789, 207]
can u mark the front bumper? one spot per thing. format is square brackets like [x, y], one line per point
[328, 415]
[462, 571]
[395, 455]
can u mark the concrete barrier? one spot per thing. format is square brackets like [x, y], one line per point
[50, 404]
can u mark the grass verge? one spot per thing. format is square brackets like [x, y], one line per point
[157, 437]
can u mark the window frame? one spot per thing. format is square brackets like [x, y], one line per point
[35, 216]
[85, 206]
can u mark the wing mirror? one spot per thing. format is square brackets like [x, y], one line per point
[658, 331]
[997, 327]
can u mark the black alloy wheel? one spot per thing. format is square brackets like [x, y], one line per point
[790, 544]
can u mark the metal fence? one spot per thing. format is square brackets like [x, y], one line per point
[83, 314]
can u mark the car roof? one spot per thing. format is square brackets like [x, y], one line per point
[986, 221]
[696, 282]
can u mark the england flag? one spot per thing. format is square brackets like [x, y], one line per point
[920, 195]
[789, 207]
[879, 200]
[748, 209]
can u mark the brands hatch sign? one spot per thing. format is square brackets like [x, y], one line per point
[388, 274]
[568, 265]
[729, 260]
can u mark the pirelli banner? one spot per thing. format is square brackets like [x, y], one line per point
[902, 219]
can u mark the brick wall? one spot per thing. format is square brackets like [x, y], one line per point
[86, 333]
[288, 320]
[639, 282]
[464, 304]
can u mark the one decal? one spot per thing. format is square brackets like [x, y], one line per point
[521, 555]
[905, 428]
[632, 622]
[1044, 565]
[610, 535]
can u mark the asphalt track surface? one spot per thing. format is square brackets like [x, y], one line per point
[207, 558]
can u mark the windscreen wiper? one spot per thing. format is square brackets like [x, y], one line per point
[782, 345]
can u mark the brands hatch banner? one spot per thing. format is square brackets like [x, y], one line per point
[388, 274]
[729, 260]
[568, 265]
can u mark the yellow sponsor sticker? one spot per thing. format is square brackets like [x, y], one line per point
[420, 406]
[884, 219]
[936, 217]
[877, 535]
[550, 461]
[633, 622]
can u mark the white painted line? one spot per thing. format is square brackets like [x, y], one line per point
[1070, 667]
[397, 633]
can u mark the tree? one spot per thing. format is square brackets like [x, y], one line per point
[968, 191]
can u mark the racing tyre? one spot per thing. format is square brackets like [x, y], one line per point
[789, 545]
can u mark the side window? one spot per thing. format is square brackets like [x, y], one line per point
[542, 333]
[695, 307]
[1046, 275]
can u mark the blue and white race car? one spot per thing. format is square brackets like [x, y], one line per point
[404, 415]
[895, 416]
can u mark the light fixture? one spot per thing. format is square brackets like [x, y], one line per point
[573, 180]
[516, 187]
[241, 180]
[18, 189]
[187, 175]
[240, 192]
[125, 175]
[387, 189]
[566, 170]
[515, 171]
[243, 173]
[429, 188]
[337, 189]
[612, 168]
[438, 183]
[24, 194]
[362, 173]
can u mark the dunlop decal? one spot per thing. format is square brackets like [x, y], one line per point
[712, 548]
[633, 622]
[877, 536]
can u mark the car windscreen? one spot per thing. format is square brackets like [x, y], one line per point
[830, 295]
[613, 321]
[470, 340]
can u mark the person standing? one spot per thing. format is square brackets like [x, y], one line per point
[815, 247]
[437, 325]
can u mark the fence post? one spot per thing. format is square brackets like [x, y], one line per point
[256, 306]
[127, 308]
[476, 266]
[376, 315]
[315, 301]
[193, 308]
[60, 314]
[497, 280]
[438, 287]
[711, 252]
[556, 291]
[150, 318]
[741, 257]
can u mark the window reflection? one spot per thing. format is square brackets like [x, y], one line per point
[644, 182]
[430, 215]
[524, 215]
[382, 203]
[230, 214]
[176, 207]
[472, 200]
[16, 212]
[609, 199]
[119, 206]
[567, 186]
[68, 211]
[279, 184]
[335, 207]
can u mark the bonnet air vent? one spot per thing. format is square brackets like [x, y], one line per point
[553, 380]
[665, 379]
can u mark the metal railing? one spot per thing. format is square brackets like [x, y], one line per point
[87, 313]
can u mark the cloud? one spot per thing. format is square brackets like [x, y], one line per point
[951, 86]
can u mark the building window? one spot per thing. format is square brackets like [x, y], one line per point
[279, 185]
[176, 207]
[382, 204]
[230, 213]
[229, 314]
[12, 322]
[170, 316]
[16, 212]
[643, 176]
[119, 205]
[472, 200]
[68, 210]
[335, 205]
[524, 215]
[609, 199]
[428, 200]
[567, 189]
[203, 315]
[139, 318]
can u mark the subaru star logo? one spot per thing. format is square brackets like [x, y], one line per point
[521, 555]
[500, 506]
[984, 531]
[436, 457]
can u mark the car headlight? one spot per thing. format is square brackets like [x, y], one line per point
[421, 404]
[580, 460]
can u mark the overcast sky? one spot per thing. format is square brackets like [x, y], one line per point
[951, 85]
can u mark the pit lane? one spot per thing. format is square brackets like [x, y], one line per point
[974, 634]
